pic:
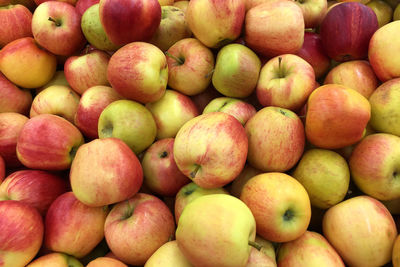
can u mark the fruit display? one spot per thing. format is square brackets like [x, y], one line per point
[199, 133]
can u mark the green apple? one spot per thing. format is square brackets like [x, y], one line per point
[236, 71]
[168, 255]
[129, 121]
[215, 230]
[396, 12]
[325, 175]
[383, 11]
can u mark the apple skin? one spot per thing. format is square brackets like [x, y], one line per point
[168, 255]
[161, 175]
[92, 102]
[129, 21]
[215, 23]
[55, 259]
[58, 100]
[139, 72]
[191, 73]
[313, 52]
[280, 22]
[276, 139]
[72, 227]
[48, 142]
[144, 217]
[336, 116]
[355, 74]
[27, 65]
[12, 98]
[190, 192]
[182, 5]
[87, 70]
[22, 233]
[33, 187]
[217, 223]
[239, 109]
[310, 249]
[129, 121]
[395, 252]
[52, 34]
[285, 81]
[82, 5]
[280, 205]
[264, 257]
[58, 79]
[372, 227]
[98, 180]
[15, 23]
[170, 112]
[356, 24]
[10, 128]
[236, 71]
[202, 145]
[106, 261]
[247, 173]
[374, 165]
[2, 169]
[71, 2]
[314, 12]
[384, 111]
[201, 100]
[383, 11]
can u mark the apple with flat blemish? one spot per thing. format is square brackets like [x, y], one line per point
[12, 98]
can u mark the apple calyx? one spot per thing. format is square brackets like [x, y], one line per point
[56, 22]
[179, 60]
[255, 245]
[107, 130]
[288, 215]
[129, 211]
[195, 171]
[163, 154]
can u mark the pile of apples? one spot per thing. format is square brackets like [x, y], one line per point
[205, 133]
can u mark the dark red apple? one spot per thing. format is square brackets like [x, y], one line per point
[346, 31]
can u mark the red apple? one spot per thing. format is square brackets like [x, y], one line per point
[82, 5]
[2, 169]
[127, 21]
[15, 23]
[346, 30]
[12, 98]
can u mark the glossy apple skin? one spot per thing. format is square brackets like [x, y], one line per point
[82, 5]
[12, 98]
[353, 25]
[33, 187]
[2, 169]
[73, 227]
[108, 166]
[48, 142]
[22, 233]
[15, 23]
[129, 21]
[55, 259]
[168, 255]
[372, 227]
[106, 261]
[144, 217]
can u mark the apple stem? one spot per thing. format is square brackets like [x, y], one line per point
[255, 245]
[195, 171]
[177, 59]
[280, 71]
[209, 74]
[57, 23]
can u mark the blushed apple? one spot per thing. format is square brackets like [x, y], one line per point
[247, 173]
[55, 259]
[314, 12]
[12, 98]
[2, 169]
[106, 261]
[15, 23]
[168, 255]
[82, 5]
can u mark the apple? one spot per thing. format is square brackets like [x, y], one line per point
[279, 22]
[15, 23]
[395, 252]
[106, 261]
[325, 175]
[336, 116]
[138, 77]
[201, 100]
[93, 30]
[313, 53]
[35, 188]
[355, 74]
[190, 66]
[396, 11]
[53, 23]
[11, 124]
[280, 205]
[239, 109]
[165, 2]
[105, 171]
[168, 255]
[12, 98]
[236, 71]
[101, 250]
[92, 102]
[71, 2]
[22, 233]
[263, 255]
[30, 4]
[356, 23]
[285, 81]
[144, 217]
[87, 70]
[55, 259]
[48, 142]
[170, 112]
[310, 249]
[276, 139]
[82, 5]
[247, 173]
[215, 23]
[129, 121]
[72, 227]
[383, 11]
[182, 5]
[173, 27]
[314, 12]
[59, 100]
[361, 230]
[384, 109]
[25, 64]
[190, 192]
[2, 169]
[127, 21]
[58, 79]
[211, 149]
